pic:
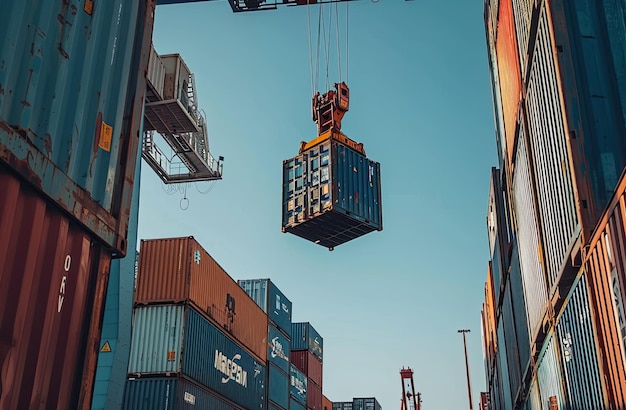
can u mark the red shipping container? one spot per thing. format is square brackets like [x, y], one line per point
[308, 364]
[179, 270]
[326, 403]
[53, 280]
[313, 396]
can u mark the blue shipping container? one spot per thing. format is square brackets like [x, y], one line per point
[278, 383]
[273, 302]
[72, 85]
[331, 194]
[278, 349]
[171, 393]
[295, 405]
[298, 382]
[177, 339]
[305, 337]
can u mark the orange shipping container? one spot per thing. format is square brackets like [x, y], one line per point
[178, 270]
[605, 264]
[326, 404]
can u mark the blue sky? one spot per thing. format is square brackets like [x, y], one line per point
[421, 105]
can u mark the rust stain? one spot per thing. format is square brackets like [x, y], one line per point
[61, 18]
[47, 142]
[63, 52]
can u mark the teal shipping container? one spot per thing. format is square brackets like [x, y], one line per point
[331, 194]
[72, 86]
[305, 337]
[295, 405]
[278, 383]
[299, 385]
[176, 339]
[273, 302]
[278, 349]
[171, 393]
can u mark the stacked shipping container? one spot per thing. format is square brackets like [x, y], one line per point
[197, 326]
[552, 319]
[68, 148]
[307, 356]
[278, 309]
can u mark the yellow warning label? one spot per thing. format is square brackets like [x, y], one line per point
[106, 348]
[106, 132]
[88, 6]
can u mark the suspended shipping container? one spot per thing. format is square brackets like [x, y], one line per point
[278, 349]
[273, 302]
[176, 339]
[72, 83]
[299, 384]
[308, 364]
[331, 192]
[278, 386]
[604, 270]
[180, 270]
[579, 358]
[171, 393]
[549, 154]
[304, 336]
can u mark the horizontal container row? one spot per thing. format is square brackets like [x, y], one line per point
[176, 339]
[331, 194]
[179, 270]
[273, 302]
[72, 92]
[53, 281]
[308, 364]
[299, 385]
[172, 393]
[305, 337]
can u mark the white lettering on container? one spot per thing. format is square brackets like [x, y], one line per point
[66, 267]
[231, 369]
[190, 398]
[277, 349]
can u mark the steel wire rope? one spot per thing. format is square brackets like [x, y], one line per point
[308, 12]
[338, 39]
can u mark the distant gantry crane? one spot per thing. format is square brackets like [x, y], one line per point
[410, 400]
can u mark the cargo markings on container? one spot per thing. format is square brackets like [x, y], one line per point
[273, 302]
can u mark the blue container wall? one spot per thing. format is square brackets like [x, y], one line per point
[178, 339]
[579, 357]
[504, 369]
[273, 406]
[298, 382]
[278, 349]
[118, 314]
[519, 310]
[549, 374]
[294, 405]
[278, 386]
[510, 337]
[273, 302]
[170, 393]
[305, 337]
[70, 108]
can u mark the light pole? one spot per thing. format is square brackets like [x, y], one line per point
[469, 386]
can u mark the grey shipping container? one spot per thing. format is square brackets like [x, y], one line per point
[299, 385]
[273, 302]
[278, 385]
[305, 337]
[171, 393]
[177, 339]
[369, 403]
[343, 405]
[331, 194]
[278, 349]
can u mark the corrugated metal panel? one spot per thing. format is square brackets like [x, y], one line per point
[504, 369]
[551, 162]
[278, 386]
[519, 310]
[179, 269]
[278, 349]
[592, 66]
[535, 291]
[155, 76]
[304, 336]
[604, 266]
[549, 375]
[510, 340]
[489, 320]
[53, 278]
[314, 396]
[72, 80]
[523, 12]
[583, 382]
[171, 393]
[308, 364]
[177, 339]
[295, 405]
[326, 404]
[331, 195]
[273, 302]
[299, 384]
[369, 403]
[534, 399]
[509, 72]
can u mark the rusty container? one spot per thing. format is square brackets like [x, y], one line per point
[177, 270]
[53, 280]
